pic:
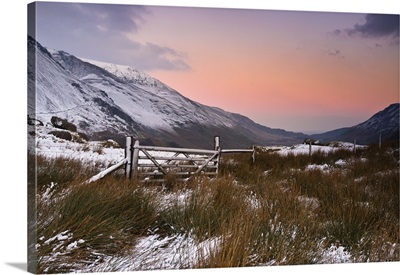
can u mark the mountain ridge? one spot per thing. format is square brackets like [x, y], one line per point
[383, 124]
[106, 105]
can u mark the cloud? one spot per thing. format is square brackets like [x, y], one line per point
[104, 32]
[375, 26]
[167, 58]
[85, 19]
[145, 56]
[119, 18]
[149, 57]
[334, 53]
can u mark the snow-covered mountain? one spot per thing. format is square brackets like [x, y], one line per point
[385, 123]
[112, 101]
[128, 74]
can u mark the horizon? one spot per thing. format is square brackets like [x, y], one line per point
[300, 71]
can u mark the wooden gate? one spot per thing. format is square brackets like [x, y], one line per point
[152, 163]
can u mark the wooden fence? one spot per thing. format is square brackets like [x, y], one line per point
[152, 163]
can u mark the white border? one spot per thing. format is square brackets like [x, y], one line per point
[13, 125]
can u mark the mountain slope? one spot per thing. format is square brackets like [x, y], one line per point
[113, 101]
[384, 123]
[233, 127]
[57, 92]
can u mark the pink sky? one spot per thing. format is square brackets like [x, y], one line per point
[300, 71]
[283, 69]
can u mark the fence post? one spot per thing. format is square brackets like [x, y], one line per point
[216, 143]
[354, 149]
[309, 147]
[135, 160]
[128, 157]
[217, 147]
[253, 156]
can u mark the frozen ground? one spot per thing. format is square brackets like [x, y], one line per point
[155, 251]
[305, 148]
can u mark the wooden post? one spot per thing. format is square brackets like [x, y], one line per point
[309, 147]
[354, 148]
[128, 157]
[216, 143]
[135, 159]
[107, 171]
[217, 147]
[253, 156]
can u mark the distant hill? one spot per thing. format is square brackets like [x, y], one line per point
[384, 123]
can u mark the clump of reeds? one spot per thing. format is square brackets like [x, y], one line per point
[89, 220]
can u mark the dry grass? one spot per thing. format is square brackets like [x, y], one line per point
[104, 218]
[273, 212]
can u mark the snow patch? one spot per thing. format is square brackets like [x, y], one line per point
[304, 149]
[340, 162]
[155, 252]
[59, 237]
[322, 167]
[336, 255]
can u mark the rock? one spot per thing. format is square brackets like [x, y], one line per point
[33, 121]
[63, 124]
[313, 141]
[83, 136]
[62, 134]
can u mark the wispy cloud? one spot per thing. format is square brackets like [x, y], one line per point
[167, 58]
[116, 18]
[334, 53]
[106, 33]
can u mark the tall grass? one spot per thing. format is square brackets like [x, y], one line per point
[355, 206]
[273, 212]
[208, 208]
[104, 218]
[60, 170]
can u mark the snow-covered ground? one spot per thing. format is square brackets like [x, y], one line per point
[155, 251]
[50, 146]
[305, 148]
